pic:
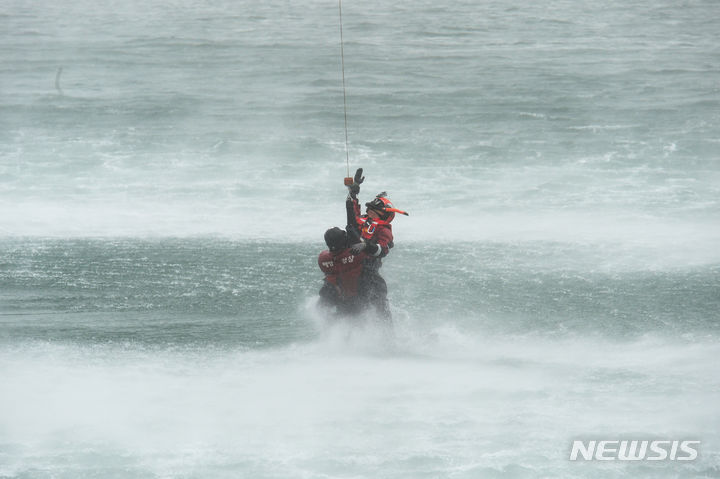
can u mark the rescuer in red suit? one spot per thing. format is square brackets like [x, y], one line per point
[343, 272]
[352, 261]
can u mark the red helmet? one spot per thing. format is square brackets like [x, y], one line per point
[385, 209]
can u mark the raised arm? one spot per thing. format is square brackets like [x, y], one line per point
[352, 208]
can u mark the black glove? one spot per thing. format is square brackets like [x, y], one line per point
[369, 246]
[359, 178]
[358, 247]
[355, 187]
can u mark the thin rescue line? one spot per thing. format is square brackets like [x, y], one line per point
[342, 62]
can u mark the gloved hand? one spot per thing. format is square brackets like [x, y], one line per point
[359, 178]
[358, 247]
[368, 246]
[372, 247]
[355, 187]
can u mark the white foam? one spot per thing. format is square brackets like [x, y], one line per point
[489, 401]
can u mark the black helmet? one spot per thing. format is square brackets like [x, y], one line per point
[385, 209]
[336, 239]
[379, 204]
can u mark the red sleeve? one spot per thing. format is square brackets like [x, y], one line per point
[384, 238]
[325, 262]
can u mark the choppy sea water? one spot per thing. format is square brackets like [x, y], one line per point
[167, 171]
